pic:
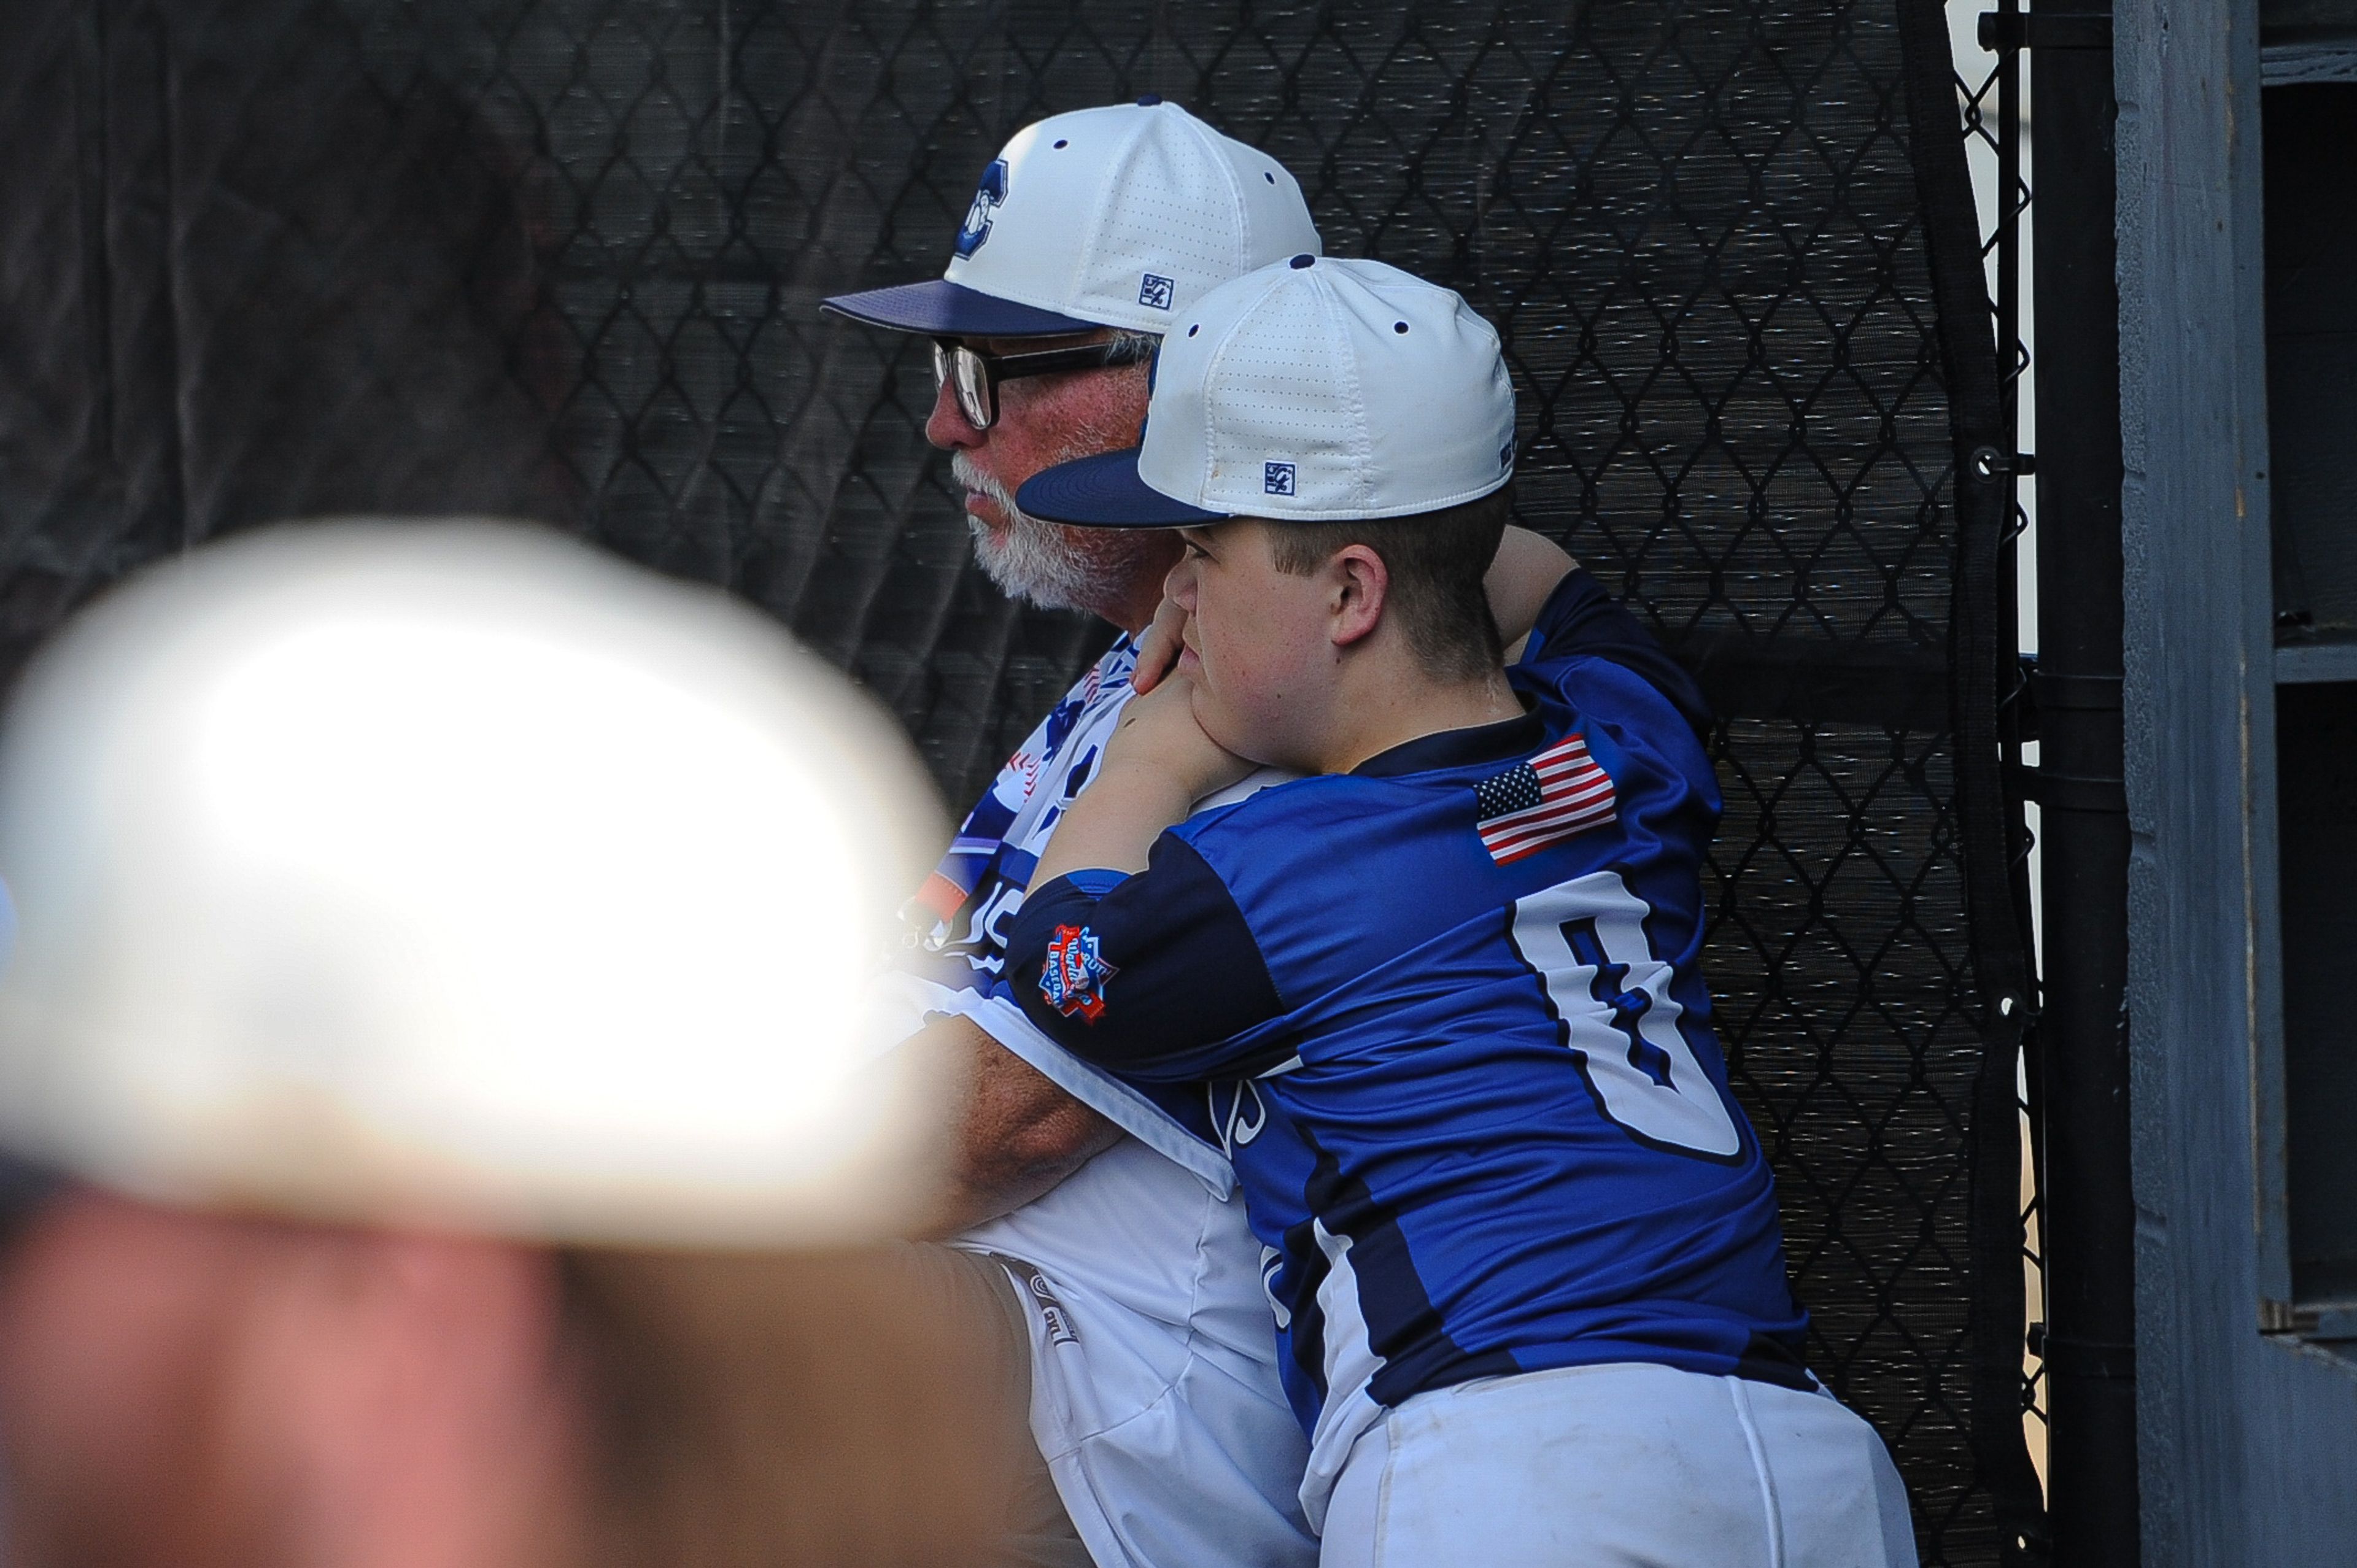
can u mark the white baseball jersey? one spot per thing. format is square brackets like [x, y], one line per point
[1155, 1393]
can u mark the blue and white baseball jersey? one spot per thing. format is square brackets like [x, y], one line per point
[1446, 1014]
[980, 880]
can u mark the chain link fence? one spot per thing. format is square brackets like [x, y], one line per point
[562, 258]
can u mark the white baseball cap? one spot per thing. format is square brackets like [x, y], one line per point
[1317, 390]
[462, 876]
[1122, 216]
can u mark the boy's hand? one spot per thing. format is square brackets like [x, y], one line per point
[1158, 733]
[1158, 648]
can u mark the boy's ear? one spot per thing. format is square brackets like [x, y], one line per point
[1361, 584]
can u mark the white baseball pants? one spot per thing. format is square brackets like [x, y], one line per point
[1618, 1466]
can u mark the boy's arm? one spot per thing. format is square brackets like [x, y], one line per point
[1579, 620]
[1522, 576]
[1129, 951]
[1154, 976]
[1016, 1134]
[1157, 765]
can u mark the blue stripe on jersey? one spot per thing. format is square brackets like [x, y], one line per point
[1403, 1327]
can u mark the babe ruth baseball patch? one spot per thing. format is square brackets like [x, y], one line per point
[1073, 978]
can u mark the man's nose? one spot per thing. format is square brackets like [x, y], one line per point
[947, 426]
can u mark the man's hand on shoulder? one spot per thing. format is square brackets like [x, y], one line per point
[1015, 1136]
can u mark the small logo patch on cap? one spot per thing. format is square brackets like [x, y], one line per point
[1276, 478]
[1154, 293]
[988, 197]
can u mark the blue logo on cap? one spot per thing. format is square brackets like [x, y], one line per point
[1154, 292]
[1276, 478]
[987, 195]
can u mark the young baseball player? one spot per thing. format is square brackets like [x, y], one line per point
[1441, 1002]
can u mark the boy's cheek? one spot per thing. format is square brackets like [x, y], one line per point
[1239, 691]
[1242, 727]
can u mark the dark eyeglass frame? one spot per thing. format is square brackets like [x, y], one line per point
[976, 374]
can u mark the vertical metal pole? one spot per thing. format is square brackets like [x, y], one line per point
[2089, 1213]
[2009, 218]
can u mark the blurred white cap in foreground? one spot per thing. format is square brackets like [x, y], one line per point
[456, 874]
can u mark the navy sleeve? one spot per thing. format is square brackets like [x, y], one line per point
[1147, 976]
[1580, 618]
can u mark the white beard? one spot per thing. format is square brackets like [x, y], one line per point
[1037, 561]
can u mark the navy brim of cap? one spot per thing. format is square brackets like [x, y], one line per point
[1105, 491]
[940, 308]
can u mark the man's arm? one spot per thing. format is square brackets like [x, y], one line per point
[1014, 1135]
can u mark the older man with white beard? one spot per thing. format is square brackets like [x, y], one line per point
[1046, 564]
[1155, 1396]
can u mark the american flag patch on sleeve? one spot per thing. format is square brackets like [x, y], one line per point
[1559, 792]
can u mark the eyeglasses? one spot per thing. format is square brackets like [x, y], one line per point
[976, 375]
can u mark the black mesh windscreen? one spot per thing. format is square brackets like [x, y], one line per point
[562, 259]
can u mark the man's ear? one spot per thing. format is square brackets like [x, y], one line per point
[1361, 584]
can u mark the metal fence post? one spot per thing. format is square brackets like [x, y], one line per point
[2089, 1215]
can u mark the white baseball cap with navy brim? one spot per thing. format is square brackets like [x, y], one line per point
[1122, 216]
[1317, 390]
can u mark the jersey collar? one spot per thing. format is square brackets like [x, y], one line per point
[1458, 748]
